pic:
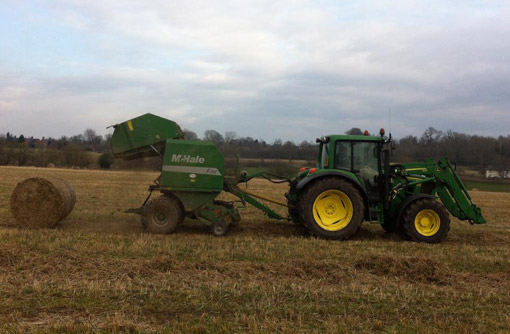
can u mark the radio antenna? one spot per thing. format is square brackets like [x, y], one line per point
[389, 119]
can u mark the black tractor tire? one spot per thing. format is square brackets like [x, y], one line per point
[162, 215]
[425, 220]
[318, 192]
[389, 225]
[294, 214]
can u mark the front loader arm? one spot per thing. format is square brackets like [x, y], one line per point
[455, 195]
[450, 189]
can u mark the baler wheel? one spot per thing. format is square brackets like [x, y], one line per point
[219, 228]
[162, 215]
[332, 208]
[425, 220]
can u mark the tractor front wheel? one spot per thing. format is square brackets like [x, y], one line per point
[332, 209]
[425, 220]
[162, 215]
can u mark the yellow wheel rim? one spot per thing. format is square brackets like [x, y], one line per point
[332, 210]
[427, 222]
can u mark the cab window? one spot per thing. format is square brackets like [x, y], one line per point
[343, 153]
[365, 156]
[354, 156]
[324, 156]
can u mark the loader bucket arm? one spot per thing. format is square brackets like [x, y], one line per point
[143, 136]
[455, 195]
[450, 189]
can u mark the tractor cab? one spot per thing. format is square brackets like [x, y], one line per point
[360, 158]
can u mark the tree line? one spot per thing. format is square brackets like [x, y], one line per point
[474, 151]
[75, 151]
[90, 150]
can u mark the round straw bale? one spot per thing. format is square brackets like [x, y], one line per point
[42, 202]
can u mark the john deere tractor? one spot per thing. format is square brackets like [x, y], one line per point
[354, 182]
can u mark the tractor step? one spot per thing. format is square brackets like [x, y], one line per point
[375, 214]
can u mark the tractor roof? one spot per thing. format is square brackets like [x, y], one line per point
[355, 138]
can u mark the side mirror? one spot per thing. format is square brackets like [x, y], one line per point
[323, 140]
[243, 176]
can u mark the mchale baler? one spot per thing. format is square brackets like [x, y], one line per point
[192, 176]
[352, 182]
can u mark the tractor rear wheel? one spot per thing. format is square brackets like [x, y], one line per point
[332, 208]
[425, 220]
[162, 215]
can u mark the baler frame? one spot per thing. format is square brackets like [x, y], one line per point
[192, 173]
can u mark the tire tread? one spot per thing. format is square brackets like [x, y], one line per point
[407, 226]
[310, 194]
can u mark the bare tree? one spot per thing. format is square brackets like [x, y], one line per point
[22, 156]
[214, 136]
[230, 136]
[354, 131]
[93, 139]
[431, 135]
[190, 135]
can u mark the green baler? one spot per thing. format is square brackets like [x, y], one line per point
[192, 176]
[353, 182]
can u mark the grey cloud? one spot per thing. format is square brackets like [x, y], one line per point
[293, 70]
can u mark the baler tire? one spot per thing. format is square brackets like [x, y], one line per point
[162, 215]
[219, 228]
[429, 216]
[347, 195]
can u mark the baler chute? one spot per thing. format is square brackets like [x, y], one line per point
[143, 136]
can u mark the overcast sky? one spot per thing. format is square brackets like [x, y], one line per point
[286, 69]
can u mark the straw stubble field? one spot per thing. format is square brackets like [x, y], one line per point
[98, 272]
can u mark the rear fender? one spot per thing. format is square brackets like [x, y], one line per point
[301, 184]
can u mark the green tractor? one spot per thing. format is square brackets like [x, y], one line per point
[354, 182]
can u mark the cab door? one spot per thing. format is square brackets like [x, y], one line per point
[365, 163]
[362, 159]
